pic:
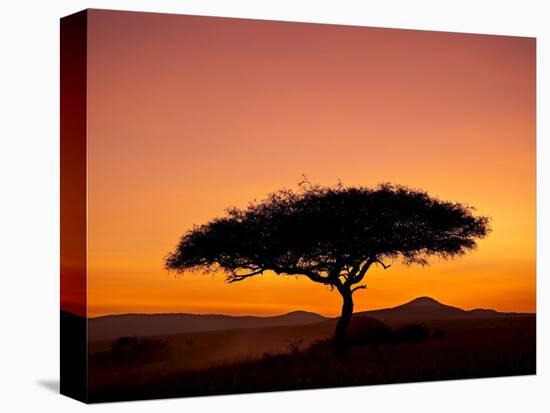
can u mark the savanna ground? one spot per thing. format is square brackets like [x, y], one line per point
[302, 357]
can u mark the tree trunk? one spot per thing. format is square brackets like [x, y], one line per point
[343, 322]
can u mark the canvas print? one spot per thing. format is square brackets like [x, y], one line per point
[252, 206]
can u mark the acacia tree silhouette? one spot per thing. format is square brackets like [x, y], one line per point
[331, 235]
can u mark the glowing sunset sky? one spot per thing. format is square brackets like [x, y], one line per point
[190, 115]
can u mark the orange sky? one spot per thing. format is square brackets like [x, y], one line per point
[190, 115]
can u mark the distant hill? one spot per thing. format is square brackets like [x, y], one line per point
[114, 326]
[426, 308]
[140, 325]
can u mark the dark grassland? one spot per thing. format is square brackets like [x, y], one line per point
[302, 357]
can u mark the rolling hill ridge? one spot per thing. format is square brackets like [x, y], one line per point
[140, 325]
[426, 308]
[114, 326]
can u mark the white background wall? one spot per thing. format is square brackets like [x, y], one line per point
[29, 206]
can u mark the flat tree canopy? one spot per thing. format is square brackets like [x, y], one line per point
[331, 235]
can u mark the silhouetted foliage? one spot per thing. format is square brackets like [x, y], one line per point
[132, 351]
[367, 330]
[331, 235]
[294, 346]
[363, 331]
[413, 332]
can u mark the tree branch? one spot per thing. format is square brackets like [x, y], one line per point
[359, 287]
[355, 269]
[334, 273]
[362, 271]
[312, 275]
[239, 277]
[382, 264]
[361, 274]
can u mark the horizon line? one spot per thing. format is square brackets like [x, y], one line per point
[289, 312]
